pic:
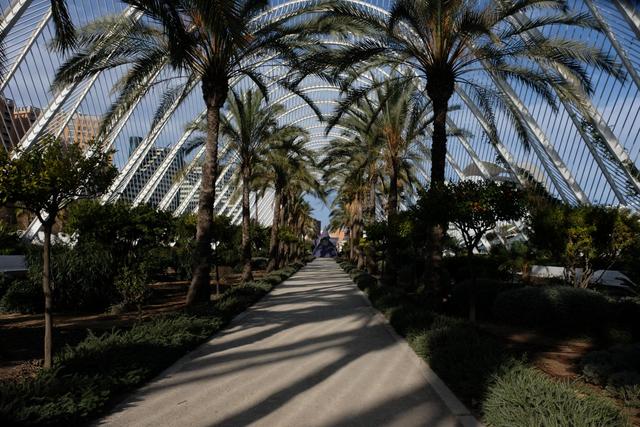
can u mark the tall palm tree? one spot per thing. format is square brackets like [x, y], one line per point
[287, 159]
[393, 119]
[449, 42]
[249, 128]
[212, 42]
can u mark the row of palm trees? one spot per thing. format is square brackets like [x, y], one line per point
[433, 46]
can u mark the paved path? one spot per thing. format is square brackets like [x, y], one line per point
[312, 353]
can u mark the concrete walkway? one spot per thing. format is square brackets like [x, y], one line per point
[312, 353]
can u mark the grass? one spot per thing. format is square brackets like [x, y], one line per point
[89, 377]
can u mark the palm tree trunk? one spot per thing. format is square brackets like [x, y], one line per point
[275, 227]
[199, 289]
[439, 91]
[370, 254]
[48, 298]
[246, 225]
[392, 209]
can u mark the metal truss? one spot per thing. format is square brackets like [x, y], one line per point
[60, 98]
[614, 157]
[630, 13]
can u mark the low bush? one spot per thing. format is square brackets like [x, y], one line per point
[486, 292]
[23, 296]
[88, 377]
[524, 396]
[626, 315]
[82, 280]
[259, 263]
[555, 309]
[617, 369]
[463, 357]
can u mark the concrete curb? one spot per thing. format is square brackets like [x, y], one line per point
[457, 408]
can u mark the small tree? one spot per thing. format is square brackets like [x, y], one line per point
[475, 209]
[44, 180]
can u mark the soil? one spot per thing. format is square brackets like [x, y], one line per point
[21, 335]
[557, 357]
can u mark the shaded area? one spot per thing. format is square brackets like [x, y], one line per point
[311, 353]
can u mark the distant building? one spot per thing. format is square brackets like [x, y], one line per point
[150, 164]
[16, 122]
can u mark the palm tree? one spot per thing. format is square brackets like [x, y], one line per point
[449, 42]
[287, 159]
[250, 126]
[392, 121]
[201, 41]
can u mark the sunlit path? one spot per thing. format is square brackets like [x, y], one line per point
[313, 353]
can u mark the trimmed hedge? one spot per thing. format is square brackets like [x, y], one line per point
[555, 309]
[90, 376]
[524, 396]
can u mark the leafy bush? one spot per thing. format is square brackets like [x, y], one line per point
[626, 315]
[524, 396]
[617, 369]
[558, 309]
[463, 357]
[131, 284]
[23, 296]
[259, 263]
[486, 292]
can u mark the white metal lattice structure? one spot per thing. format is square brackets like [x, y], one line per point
[596, 166]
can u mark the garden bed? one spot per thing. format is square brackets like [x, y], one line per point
[506, 376]
[120, 353]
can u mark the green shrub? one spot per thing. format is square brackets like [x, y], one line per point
[524, 396]
[486, 292]
[462, 357]
[87, 377]
[23, 296]
[131, 284]
[259, 263]
[626, 315]
[617, 369]
[556, 309]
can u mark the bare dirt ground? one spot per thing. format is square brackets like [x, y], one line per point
[21, 335]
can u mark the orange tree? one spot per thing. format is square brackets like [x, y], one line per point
[476, 207]
[44, 180]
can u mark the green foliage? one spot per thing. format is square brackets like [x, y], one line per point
[556, 309]
[522, 395]
[23, 296]
[89, 377]
[129, 232]
[82, 280]
[475, 207]
[486, 291]
[589, 237]
[617, 369]
[463, 357]
[51, 174]
[10, 243]
[131, 284]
